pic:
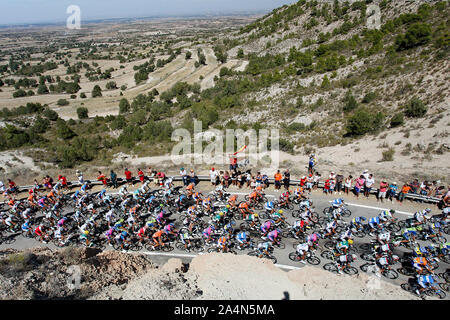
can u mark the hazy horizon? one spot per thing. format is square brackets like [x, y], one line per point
[19, 12]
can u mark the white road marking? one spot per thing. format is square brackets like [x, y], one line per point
[243, 194]
[282, 266]
[376, 208]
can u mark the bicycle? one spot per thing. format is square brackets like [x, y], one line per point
[310, 258]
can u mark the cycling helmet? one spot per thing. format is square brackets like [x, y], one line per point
[395, 258]
[228, 206]
[86, 232]
[280, 211]
[354, 257]
[446, 210]
[428, 210]
[256, 215]
[350, 241]
[392, 211]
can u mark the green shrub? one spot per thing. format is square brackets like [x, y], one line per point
[83, 113]
[350, 102]
[363, 122]
[124, 106]
[388, 155]
[417, 34]
[50, 114]
[415, 108]
[63, 131]
[62, 102]
[397, 120]
[96, 92]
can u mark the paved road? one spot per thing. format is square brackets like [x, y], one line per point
[320, 202]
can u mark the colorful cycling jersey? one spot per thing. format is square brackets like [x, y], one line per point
[374, 221]
[342, 245]
[285, 195]
[425, 280]
[241, 237]
[61, 222]
[269, 206]
[168, 228]
[208, 231]
[302, 247]
[264, 246]
[385, 215]
[272, 235]
[26, 226]
[358, 220]
[337, 202]
[123, 235]
[151, 222]
[312, 238]
[331, 225]
[141, 232]
[109, 233]
[222, 241]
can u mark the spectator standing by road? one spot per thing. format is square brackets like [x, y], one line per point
[392, 191]
[2, 187]
[286, 179]
[213, 176]
[311, 163]
[339, 183]
[359, 184]
[348, 184]
[128, 176]
[278, 177]
[185, 177]
[113, 177]
[80, 177]
[405, 189]
[101, 177]
[368, 185]
[141, 175]
[365, 174]
[383, 189]
[309, 182]
[316, 180]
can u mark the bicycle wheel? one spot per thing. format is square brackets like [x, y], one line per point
[365, 267]
[367, 256]
[252, 253]
[360, 234]
[212, 249]
[9, 240]
[441, 294]
[394, 227]
[272, 258]
[167, 248]
[444, 286]
[390, 274]
[350, 270]
[330, 267]
[346, 213]
[295, 213]
[327, 210]
[327, 255]
[329, 245]
[313, 260]
[406, 287]
[280, 245]
[365, 246]
[180, 246]
[294, 256]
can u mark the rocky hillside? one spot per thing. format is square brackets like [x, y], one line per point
[45, 274]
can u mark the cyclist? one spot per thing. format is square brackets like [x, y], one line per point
[284, 199]
[244, 209]
[40, 231]
[185, 238]
[253, 218]
[299, 227]
[357, 223]
[269, 207]
[302, 249]
[278, 217]
[266, 227]
[272, 236]
[375, 223]
[384, 262]
[142, 233]
[424, 282]
[421, 265]
[222, 243]
[330, 228]
[313, 239]
[264, 248]
[157, 238]
[342, 246]
[243, 240]
[344, 260]
[207, 233]
[232, 201]
[384, 236]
